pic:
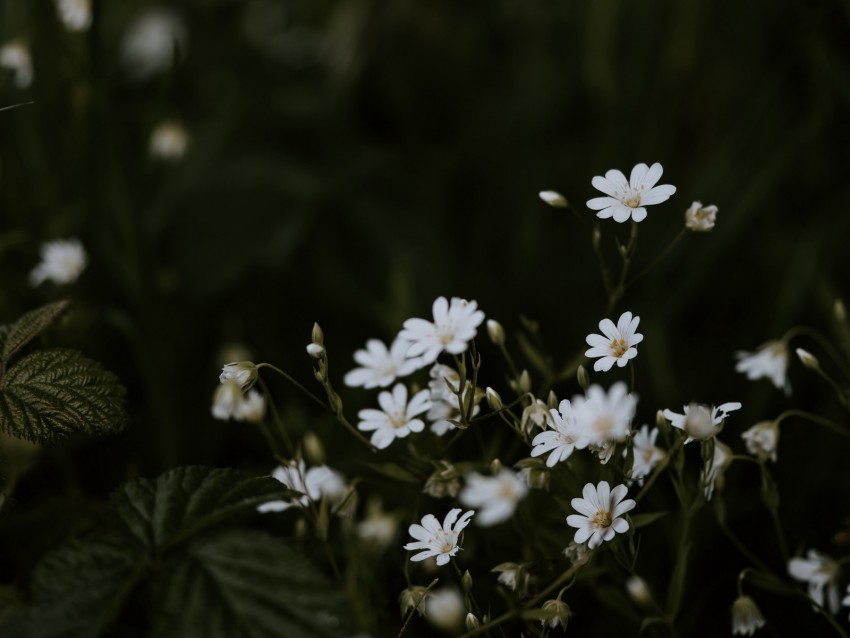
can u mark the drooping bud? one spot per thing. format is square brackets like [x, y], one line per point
[553, 198]
[808, 359]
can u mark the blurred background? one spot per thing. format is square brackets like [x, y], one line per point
[238, 169]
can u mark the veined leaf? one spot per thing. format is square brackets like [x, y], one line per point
[52, 393]
[188, 500]
[24, 329]
[247, 584]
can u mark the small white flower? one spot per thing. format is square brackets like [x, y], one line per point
[746, 617]
[511, 575]
[553, 198]
[605, 417]
[618, 344]
[62, 262]
[169, 141]
[251, 407]
[535, 414]
[74, 14]
[769, 361]
[454, 325]
[444, 609]
[646, 454]
[564, 435]
[242, 372]
[378, 528]
[379, 366]
[226, 399]
[699, 218]
[153, 43]
[628, 198]
[713, 475]
[820, 572]
[396, 418]
[701, 421]
[497, 496]
[600, 510]
[314, 484]
[445, 406]
[15, 56]
[762, 440]
[438, 540]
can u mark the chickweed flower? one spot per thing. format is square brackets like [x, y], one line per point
[443, 481]
[553, 198]
[713, 475]
[557, 613]
[746, 617]
[314, 484]
[769, 361]
[62, 262]
[646, 454]
[497, 496]
[413, 598]
[74, 14]
[251, 407]
[169, 141]
[445, 610]
[699, 421]
[605, 417]
[625, 199]
[564, 436]
[244, 373]
[821, 573]
[618, 343]
[454, 325]
[380, 366]
[762, 440]
[512, 576]
[226, 399]
[599, 513]
[15, 56]
[378, 528]
[699, 218]
[396, 418]
[440, 541]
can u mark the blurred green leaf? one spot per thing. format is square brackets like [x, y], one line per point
[391, 470]
[52, 393]
[640, 520]
[27, 327]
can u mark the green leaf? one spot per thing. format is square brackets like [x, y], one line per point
[52, 393]
[188, 500]
[246, 583]
[27, 327]
[641, 520]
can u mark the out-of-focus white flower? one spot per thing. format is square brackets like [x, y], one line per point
[380, 366]
[699, 421]
[153, 43]
[444, 609]
[553, 198]
[378, 528]
[713, 475]
[638, 590]
[455, 324]
[251, 407]
[512, 576]
[558, 613]
[769, 361]
[599, 513]
[762, 440]
[746, 617]
[15, 56]
[627, 199]
[169, 141]
[699, 218]
[564, 435]
[821, 573]
[496, 496]
[618, 344]
[445, 406]
[646, 454]
[242, 372]
[314, 484]
[396, 418]
[440, 541]
[605, 417]
[226, 399]
[62, 262]
[74, 14]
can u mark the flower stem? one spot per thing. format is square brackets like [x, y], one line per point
[814, 418]
[660, 256]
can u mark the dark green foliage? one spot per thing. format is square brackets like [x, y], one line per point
[166, 552]
[21, 332]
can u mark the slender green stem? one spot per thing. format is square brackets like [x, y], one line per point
[755, 560]
[835, 427]
[289, 452]
[822, 342]
[663, 254]
[416, 608]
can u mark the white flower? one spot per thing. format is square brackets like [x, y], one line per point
[497, 496]
[821, 572]
[242, 372]
[605, 418]
[699, 218]
[169, 141]
[74, 14]
[445, 405]
[627, 198]
[511, 575]
[746, 617]
[378, 528]
[599, 514]
[714, 474]
[553, 198]
[444, 608]
[314, 484]
[15, 56]
[535, 414]
[251, 407]
[379, 366]
[153, 43]
[564, 436]
[62, 261]
[701, 421]
[769, 361]
[618, 344]
[395, 419]
[558, 613]
[646, 454]
[454, 325]
[435, 539]
[226, 399]
[846, 600]
[762, 440]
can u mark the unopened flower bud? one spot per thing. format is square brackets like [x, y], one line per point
[317, 336]
[583, 378]
[495, 332]
[314, 451]
[524, 381]
[553, 198]
[552, 400]
[466, 581]
[638, 590]
[596, 237]
[495, 466]
[315, 350]
[840, 311]
[808, 359]
[494, 400]
[472, 622]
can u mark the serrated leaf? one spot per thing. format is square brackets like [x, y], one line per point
[50, 394]
[27, 327]
[188, 500]
[246, 584]
[641, 520]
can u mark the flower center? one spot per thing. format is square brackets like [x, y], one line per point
[507, 491]
[633, 201]
[603, 425]
[648, 454]
[602, 519]
[397, 419]
[619, 347]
